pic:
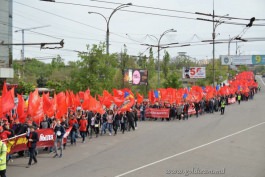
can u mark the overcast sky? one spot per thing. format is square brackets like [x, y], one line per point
[131, 29]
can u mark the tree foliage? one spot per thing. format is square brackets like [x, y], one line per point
[98, 71]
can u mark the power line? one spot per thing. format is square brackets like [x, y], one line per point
[156, 14]
[132, 11]
[148, 7]
[65, 18]
[171, 10]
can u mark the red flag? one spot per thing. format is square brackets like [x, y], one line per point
[1, 112]
[77, 100]
[4, 91]
[21, 109]
[106, 99]
[61, 105]
[49, 106]
[8, 102]
[118, 93]
[140, 98]
[81, 95]
[118, 101]
[33, 102]
[38, 115]
[85, 104]
[128, 105]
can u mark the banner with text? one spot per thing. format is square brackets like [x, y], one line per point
[46, 139]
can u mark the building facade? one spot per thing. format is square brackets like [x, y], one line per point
[6, 23]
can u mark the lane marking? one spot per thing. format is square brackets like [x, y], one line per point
[192, 149]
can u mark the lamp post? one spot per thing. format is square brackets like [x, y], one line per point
[108, 21]
[158, 51]
[159, 48]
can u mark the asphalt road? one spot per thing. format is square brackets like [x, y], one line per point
[232, 144]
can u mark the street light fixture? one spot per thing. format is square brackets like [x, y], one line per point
[159, 48]
[108, 21]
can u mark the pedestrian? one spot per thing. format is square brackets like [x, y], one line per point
[222, 106]
[65, 125]
[110, 121]
[92, 124]
[186, 110]
[33, 138]
[142, 111]
[123, 121]
[97, 124]
[74, 124]
[83, 127]
[104, 123]
[58, 142]
[197, 108]
[130, 117]
[239, 98]
[135, 117]
[116, 122]
[3, 153]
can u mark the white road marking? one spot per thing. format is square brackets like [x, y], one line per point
[192, 149]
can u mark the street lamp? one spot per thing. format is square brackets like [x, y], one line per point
[108, 21]
[159, 48]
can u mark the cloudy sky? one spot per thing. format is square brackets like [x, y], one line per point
[78, 28]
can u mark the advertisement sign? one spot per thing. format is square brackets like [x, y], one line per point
[258, 59]
[136, 76]
[194, 72]
[243, 59]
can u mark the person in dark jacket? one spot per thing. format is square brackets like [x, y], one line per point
[197, 108]
[33, 138]
[130, 120]
[123, 121]
[116, 121]
[186, 110]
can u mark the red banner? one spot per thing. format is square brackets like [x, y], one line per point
[161, 113]
[157, 113]
[46, 139]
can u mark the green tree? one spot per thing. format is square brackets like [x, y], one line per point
[95, 71]
[57, 62]
[165, 64]
[172, 81]
[25, 88]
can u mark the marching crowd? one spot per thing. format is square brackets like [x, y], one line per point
[86, 124]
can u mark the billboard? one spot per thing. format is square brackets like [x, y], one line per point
[194, 72]
[243, 59]
[136, 76]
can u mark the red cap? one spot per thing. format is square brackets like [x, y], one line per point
[4, 119]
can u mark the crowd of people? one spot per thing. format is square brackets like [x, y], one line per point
[87, 124]
[181, 110]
